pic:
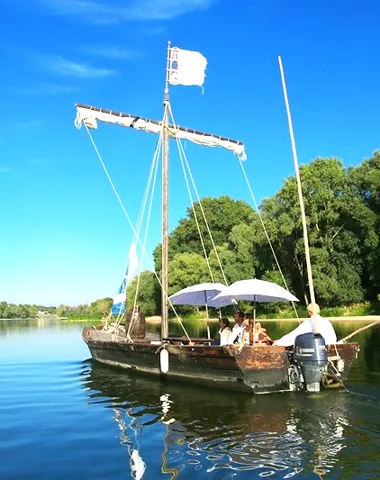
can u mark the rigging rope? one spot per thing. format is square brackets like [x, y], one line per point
[265, 231]
[135, 233]
[184, 160]
[110, 180]
[193, 208]
[153, 178]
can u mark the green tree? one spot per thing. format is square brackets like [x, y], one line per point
[149, 293]
[62, 311]
[222, 214]
[237, 256]
[8, 312]
[339, 227]
[365, 183]
[187, 269]
[101, 306]
[22, 311]
[3, 306]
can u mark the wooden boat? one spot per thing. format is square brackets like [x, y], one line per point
[252, 368]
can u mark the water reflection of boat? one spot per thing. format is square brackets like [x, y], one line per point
[221, 432]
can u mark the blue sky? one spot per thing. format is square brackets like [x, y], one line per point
[64, 237]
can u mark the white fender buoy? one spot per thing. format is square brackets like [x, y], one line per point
[164, 360]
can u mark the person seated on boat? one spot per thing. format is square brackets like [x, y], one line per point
[247, 337]
[238, 329]
[224, 331]
[325, 328]
[260, 335]
[254, 334]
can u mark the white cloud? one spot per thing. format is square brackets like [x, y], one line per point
[37, 162]
[57, 65]
[115, 11]
[42, 162]
[47, 89]
[154, 30]
[4, 169]
[108, 51]
[28, 124]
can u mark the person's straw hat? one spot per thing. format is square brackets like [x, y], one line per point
[316, 308]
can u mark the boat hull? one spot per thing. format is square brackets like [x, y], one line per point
[259, 370]
[262, 369]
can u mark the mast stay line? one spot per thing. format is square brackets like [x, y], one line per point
[90, 115]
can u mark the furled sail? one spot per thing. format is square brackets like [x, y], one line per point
[90, 115]
[118, 307]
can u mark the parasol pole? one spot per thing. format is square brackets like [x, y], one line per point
[254, 320]
[208, 325]
[303, 216]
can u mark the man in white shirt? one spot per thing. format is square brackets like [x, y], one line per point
[237, 331]
[324, 326]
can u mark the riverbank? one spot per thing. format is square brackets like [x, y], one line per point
[157, 319]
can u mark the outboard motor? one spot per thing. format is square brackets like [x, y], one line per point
[310, 354]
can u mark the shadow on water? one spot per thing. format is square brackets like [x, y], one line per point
[204, 432]
[371, 349]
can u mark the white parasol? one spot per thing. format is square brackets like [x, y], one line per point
[202, 294]
[254, 290]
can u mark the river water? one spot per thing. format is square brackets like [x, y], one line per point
[63, 417]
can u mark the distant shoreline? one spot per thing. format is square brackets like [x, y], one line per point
[157, 319]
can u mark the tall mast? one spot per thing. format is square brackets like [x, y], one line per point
[165, 206]
[300, 196]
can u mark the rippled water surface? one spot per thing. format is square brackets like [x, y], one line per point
[63, 417]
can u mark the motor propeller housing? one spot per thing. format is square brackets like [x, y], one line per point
[310, 355]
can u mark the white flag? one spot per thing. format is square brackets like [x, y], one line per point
[186, 67]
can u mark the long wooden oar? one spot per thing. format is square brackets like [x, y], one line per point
[360, 330]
